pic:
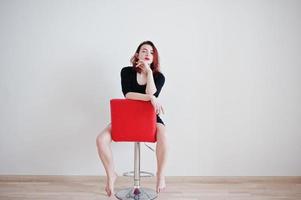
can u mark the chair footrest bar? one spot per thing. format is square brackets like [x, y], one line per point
[142, 174]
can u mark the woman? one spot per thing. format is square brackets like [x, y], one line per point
[143, 81]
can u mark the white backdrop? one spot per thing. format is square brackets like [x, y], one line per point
[232, 94]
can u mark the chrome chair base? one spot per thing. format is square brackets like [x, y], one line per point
[136, 194]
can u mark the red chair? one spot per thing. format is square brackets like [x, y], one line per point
[133, 121]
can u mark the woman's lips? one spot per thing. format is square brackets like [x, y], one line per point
[146, 58]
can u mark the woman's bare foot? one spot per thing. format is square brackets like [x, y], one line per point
[110, 184]
[161, 185]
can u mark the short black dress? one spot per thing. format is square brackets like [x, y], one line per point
[129, 83]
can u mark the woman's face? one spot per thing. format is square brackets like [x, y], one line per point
[146, 53]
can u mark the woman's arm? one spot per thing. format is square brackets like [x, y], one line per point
[146, 97]
[138, 96]
[150, 83]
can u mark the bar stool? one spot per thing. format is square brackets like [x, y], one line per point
[133, 121]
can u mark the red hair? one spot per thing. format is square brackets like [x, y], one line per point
[155, 66]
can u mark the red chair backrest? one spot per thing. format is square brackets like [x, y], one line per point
[132, 121]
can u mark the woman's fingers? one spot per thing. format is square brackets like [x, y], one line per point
[162, 110]
[139, 65]
[142, 64]
[157, 109]
[157, 106]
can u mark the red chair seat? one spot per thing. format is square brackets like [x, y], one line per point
[132, 121]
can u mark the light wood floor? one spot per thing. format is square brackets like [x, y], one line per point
[178, 188]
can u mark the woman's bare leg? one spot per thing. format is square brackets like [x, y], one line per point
[161, 152]
[103, 142]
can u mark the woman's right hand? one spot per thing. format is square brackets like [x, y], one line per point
[157, 106]
[144, 66]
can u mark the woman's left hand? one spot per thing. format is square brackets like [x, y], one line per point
[158, 107]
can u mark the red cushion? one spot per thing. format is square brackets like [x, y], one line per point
[133, 121]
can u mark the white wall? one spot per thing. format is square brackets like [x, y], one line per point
[232, 94]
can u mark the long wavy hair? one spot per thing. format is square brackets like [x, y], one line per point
[155, 66]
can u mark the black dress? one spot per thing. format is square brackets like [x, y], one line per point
[129, 84]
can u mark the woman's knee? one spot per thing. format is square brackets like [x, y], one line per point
[103, 137]
[99, 139]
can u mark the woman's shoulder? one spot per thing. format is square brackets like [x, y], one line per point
[159, 75]
[127, 70]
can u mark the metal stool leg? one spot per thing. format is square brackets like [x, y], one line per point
[136, 192]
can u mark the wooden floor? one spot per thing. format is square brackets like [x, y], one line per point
[178, 188]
